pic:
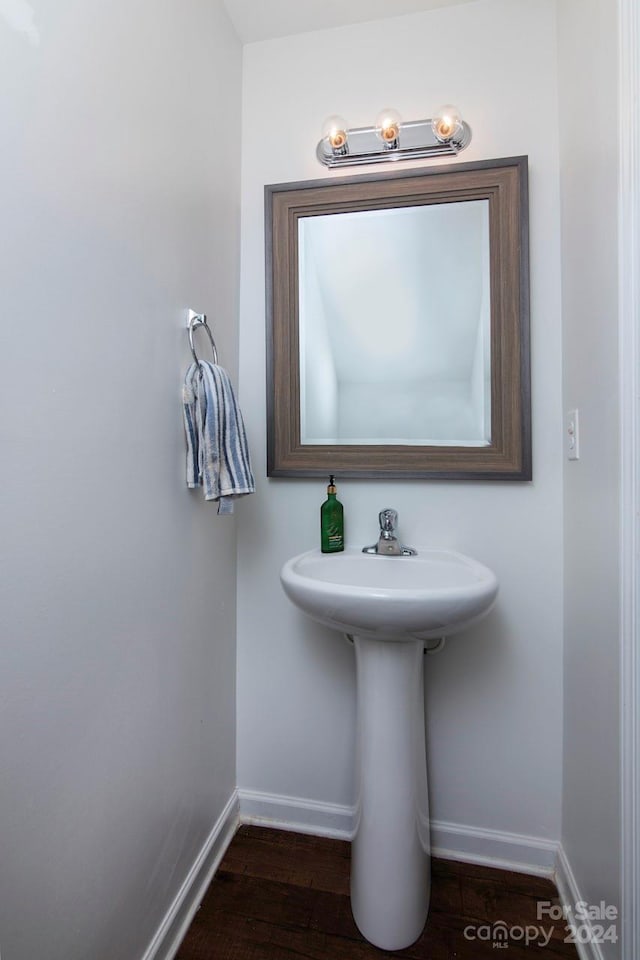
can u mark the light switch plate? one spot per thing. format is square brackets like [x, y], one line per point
[572, 435]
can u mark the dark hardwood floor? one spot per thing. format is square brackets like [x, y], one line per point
[285, 896]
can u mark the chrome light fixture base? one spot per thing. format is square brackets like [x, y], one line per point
[416, 140]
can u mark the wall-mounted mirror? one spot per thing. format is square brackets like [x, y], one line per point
[398, 325]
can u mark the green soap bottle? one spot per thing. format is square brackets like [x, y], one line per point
[331, 522]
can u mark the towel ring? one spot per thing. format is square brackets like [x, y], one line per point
[200, 320]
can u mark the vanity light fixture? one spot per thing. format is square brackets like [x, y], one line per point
[445, 134]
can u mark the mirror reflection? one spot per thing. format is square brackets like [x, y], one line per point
[394, 326]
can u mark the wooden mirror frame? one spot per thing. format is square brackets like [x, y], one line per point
[504, 183]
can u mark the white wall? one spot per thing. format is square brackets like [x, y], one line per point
[591, 793]
[494, 696]
[117, 703]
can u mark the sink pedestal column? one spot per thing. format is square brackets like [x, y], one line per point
[390, 870]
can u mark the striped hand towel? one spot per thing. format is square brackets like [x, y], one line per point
[217, 451]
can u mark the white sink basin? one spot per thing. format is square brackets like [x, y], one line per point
[436, 593]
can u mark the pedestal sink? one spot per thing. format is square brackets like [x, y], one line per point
[390, 605]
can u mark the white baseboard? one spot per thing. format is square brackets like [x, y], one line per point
[493, 848]
[506, 851]
[297, 815]
[569, 897]
[168, 938]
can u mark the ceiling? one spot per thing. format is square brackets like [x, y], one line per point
[266, 19]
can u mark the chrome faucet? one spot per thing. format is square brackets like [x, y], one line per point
[388, 544]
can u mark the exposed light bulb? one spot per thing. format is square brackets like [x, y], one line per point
[447, 123]
[334, 130]
[388, 126]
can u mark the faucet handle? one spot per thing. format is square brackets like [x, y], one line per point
[388, 545]
[388, 519]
